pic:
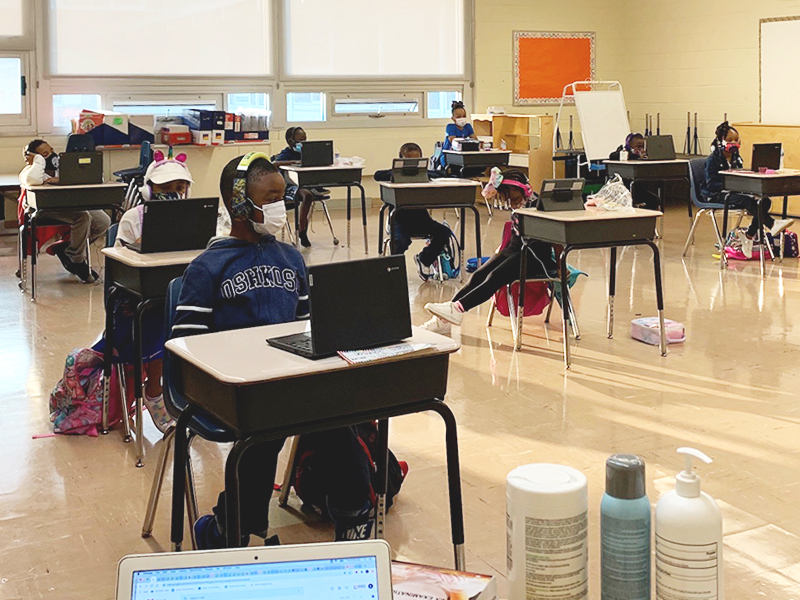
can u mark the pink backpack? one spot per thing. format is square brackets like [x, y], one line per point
[76, 402]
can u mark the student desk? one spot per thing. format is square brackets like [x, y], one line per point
[437, 193]
[42, 199]
[9, 183]
[146, 277]
[477, 158]
[263, 393]
[583, 229]
[760, 185]
[333, 176]
[659, 171]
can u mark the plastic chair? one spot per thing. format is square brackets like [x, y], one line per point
[134, 176]
[80, 142]
[696, 178]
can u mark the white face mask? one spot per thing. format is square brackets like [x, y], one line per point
[461, 121]
[274, 218]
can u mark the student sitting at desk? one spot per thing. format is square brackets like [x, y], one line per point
[295, 136]
[501, 269]
[459, 128]
[42, 168]
[725, 156]
[634, 149]
[252, 279]
[417, 223]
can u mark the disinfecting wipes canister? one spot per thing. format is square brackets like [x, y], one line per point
[546, 522]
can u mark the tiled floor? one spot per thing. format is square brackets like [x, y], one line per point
[71, 507]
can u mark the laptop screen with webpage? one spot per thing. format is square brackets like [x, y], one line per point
[334, 579]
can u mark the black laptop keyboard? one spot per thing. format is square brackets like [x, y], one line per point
[301, 343]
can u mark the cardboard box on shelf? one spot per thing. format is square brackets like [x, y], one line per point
[217, 137]
[206, 120]
[174, 136]
[201, 137]
[108, 128]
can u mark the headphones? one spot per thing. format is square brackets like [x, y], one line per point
[241, 205]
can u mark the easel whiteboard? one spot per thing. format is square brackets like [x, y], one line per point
[604, 121]
[779, 46]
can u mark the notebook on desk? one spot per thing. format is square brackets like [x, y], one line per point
[174, 225]
[330, 571]
[660, 147]
[80, 168]
[354, 305]
[316, 154]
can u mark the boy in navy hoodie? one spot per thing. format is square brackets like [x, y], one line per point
[251, 279]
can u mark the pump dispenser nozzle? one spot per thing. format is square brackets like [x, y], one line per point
[687, 482]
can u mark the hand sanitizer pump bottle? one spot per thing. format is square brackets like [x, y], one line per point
[688, 539]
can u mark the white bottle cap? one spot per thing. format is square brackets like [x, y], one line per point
[687, 482]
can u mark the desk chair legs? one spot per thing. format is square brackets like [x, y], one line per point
[330, 223]
[288, 475]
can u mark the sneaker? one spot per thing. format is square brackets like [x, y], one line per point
[436, 325]
[207, 534]
[446, 311]
[747, 244]
[158, 411]
[302, 235]
[60, 252]
[84, 273]
[425, 273]
[780, 225]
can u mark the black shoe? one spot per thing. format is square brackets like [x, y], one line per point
[84, 273]
[61, 253]
[302, 234]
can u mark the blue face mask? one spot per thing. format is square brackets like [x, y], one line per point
[298, 146]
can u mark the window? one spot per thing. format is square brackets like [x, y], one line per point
[369, 38]
[439, 104]
[67, 106]
[239, 101]
[157, 38]
[365, 106]
[14, 99]
[304, 107]
[169, 109]
[11, 25]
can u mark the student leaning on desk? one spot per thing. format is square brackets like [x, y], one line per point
[251, 279]
[725, 156]
[42, 168]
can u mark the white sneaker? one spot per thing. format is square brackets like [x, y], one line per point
[780, 225]
[436, 325]
[746, 242]
[446, 311]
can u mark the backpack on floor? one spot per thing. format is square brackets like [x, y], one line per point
[790, 245]
[449, 261]
[76, 402]
[309, 485]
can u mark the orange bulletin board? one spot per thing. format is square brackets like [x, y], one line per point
[544, 62]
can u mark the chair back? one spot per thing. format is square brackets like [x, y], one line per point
[145, 155]
[697, 174]
[80, 142]
[111, 235]
[173, 400]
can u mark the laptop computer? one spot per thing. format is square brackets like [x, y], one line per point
[354, 305]
[80, 168]
[410, 170]
[329, 571]
[766, 156]
[316, 154]
[660, 147]
[173, 225]
[561, 194]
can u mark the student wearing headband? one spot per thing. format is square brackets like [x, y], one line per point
[725, 156]
[503, 267]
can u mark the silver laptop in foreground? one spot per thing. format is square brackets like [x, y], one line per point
[330, 571]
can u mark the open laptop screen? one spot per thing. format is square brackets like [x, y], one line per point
[354, 578]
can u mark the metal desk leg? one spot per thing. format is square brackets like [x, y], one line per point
[392, 241]
[453, 484]
[296, 219]
[659, 297]
[364, 216]
[381, 216]
[382, 463]
[612, 283]
[462, 239]
[179, 477]
[138, 385]
[477, 216]
[566, 308]
[523, 270]
[233, 509]
[761, 238]
[349, 208]
[108, 354]
[34, 256]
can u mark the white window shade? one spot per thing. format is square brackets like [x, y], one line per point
[158, 38]
[374, 38]
[11, 24]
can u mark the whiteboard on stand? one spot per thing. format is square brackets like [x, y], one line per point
[604, 121]
[780, 71]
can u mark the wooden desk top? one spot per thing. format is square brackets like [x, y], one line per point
[104, 185]
[433, 183]
[591, 213]
[243, 356]
[647, 162]
[137, 260]
[300, 169]
[472, 152]
[753, 175]
[9, 181]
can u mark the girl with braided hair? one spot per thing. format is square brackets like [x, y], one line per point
[725, 156]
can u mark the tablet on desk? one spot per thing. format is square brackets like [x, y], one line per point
[561, 194]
